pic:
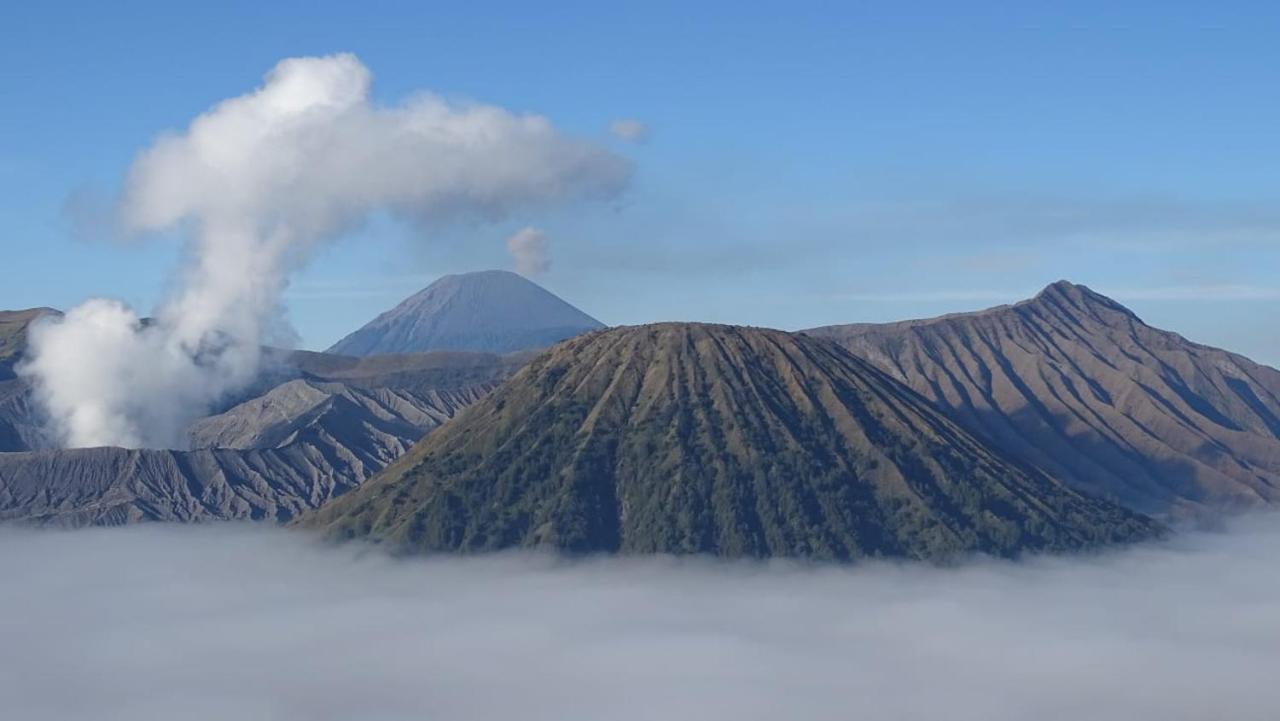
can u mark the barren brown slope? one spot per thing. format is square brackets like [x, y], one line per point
[1078, 385]
[689, 438]
[282, 451]
[269, 458]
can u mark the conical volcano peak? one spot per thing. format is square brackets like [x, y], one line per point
[692, 438]
[493, 311]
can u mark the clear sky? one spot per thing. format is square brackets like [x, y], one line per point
[806, 163]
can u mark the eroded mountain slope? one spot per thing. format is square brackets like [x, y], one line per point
[689, 438]
[1078, 385]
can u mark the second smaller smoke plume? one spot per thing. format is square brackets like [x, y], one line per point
[254, 185]
[530, 251]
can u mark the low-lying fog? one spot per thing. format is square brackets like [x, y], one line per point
[230, 622]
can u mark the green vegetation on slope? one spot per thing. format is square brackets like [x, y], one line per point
[689, 438]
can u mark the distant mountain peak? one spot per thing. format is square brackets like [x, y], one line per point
[491, 310]
[1063, 289]
[1080, 298]
[1075, 383]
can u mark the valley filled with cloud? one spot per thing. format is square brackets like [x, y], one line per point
[227, 621]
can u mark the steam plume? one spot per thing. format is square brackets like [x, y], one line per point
[255, 184]
[530, 251]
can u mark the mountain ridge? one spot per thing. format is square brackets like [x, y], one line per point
[317, 426]
[1078, 385]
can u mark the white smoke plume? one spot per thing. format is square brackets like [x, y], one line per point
[254, 184]
[229, 622]
[530, 251]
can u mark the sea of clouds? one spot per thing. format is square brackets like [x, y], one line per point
[237, 622]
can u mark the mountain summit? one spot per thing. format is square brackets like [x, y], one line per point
[691, 438]
[494, 311]
[1078, 385]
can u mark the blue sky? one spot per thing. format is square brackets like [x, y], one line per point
[808, 163]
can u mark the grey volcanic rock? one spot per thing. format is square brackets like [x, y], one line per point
[419, 372]
[21, 428]
[324, 424]
[439, 379]
[1077, 385]
[495, 311]
[114, 486]
[268, 458]
[384, 419]
[13, 336]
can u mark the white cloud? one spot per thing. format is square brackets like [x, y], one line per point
[630, 130]
[238, 622]
[530, 252]
[258, 181]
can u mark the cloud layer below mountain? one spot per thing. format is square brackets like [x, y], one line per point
[247, 623]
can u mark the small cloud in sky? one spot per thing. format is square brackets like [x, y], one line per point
[530, 251]
[630, 130]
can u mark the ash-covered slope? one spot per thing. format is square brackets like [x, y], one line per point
[689, 438]
[417, 372]
[292, 448]
[115, 486]
[424, 376]
[494, 311]
[1078, 385]
[20, 427]
[380, 422]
